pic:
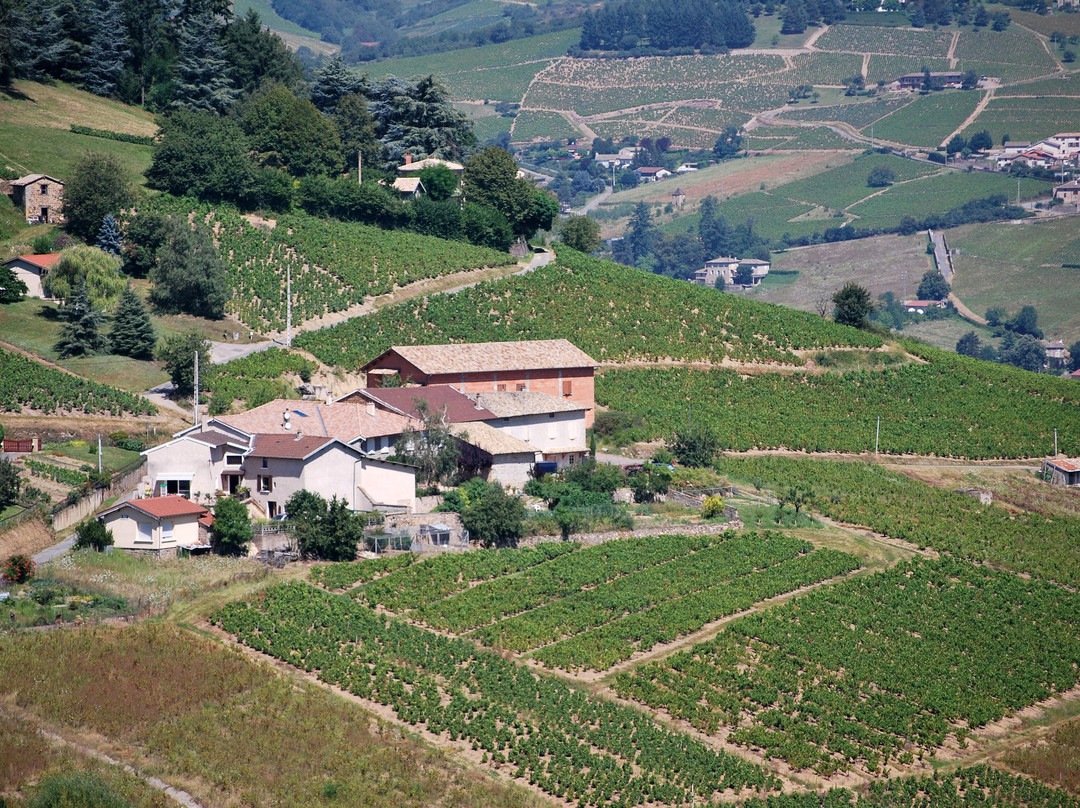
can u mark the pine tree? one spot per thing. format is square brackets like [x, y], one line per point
[333, 81]
[132, 334]
[105, 54]
[40, 42]
[202, 71]
[80, 335]
[108, 238]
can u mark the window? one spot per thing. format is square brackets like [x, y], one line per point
[266, 484]
[567, 388]
[166, 531]
[521, 387]
[44, 188]
[234, 460]
[500, 388]
[265, 464]
[179, 487]
[146, 533]
[551, 415]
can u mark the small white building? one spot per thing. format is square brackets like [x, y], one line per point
[31, 270]
[505, 459]
[158, 526]
[553, 426]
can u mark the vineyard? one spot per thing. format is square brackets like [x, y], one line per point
[1046, 545]
[593, 607]
[874, 670]
[950, 406]
[59, 474]
[929, 120]
[612, 312]
[575, 747]
[334, 264]
[28, 385]
[255, 379]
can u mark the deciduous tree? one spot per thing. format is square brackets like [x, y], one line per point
[189, 275]
[177, 352]
[96, 187]
[969, 345]
[497, 520]
[580, 233]
[86, 265]
[853, 305]
[231, 533]
[933, 286]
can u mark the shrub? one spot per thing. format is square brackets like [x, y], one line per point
[712, 507]
[18, 569]
[92, 535]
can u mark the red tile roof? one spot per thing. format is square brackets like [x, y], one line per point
[44, 260]
[288, 447]
[1065, 465]
[164, 507]
[344, 420]
[459, 408]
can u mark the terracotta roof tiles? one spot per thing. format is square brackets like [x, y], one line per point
[480, 357]
[164, 507]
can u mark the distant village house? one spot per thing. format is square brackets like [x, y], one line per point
[40, 196]
[31, 270]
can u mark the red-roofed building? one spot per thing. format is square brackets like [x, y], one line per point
[552, 366]
[159, 526]
[1062, 471]
[31, 270]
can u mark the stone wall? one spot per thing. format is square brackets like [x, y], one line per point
[702, 529]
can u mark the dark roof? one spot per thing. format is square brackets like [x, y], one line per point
[288, 447]
[214, 438]
[459, 408]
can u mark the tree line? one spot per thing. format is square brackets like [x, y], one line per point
[697, 24]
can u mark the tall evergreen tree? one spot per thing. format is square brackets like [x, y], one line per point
[189, 276]
[148, 27]
[256, 54]
[639, 236]
[41, 45]
[80, 335]
[107, 50]
[795, 18]
[202, 70]
[333, 81]
[108, 237]
[132, 333]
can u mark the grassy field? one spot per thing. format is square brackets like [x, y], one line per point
[1027, 118]
[47, 150]
[1068, 24]
[213, 722]
[531, 125]
[928, 120]
[877, 263]
[939, 193]
[1016, 265]
[768, 28]
[842, 187]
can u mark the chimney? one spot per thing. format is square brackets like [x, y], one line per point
[408, 159]
[371, 408]
[299, 435]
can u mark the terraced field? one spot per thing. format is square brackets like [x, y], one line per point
[1027, 118]
[929, 120]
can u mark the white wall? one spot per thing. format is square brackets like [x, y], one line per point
[125, 524]
[186, 457]
[566, 430]
[31, 276]
[512, 470]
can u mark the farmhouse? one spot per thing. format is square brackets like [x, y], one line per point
[283, 447]
[727, 268]
[31, 269]
[1055, 353]
[1067, 194]
[914, 81]
[551, 425]
[555, 367]
[678, 197]
[159, 526]
[652, 173]
[40, 196]
[920, 306]
[1062, 146]
[409, 187]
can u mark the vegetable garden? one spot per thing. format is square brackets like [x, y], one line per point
[876, 669]
[25, 384]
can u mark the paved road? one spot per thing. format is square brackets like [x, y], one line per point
[222, 352]
[593, 203]
[55, 551]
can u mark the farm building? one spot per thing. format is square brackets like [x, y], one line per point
[409, 187]
[1069, 193]
[411, 166]
[549, 424]
[729, 268]
[40, 196]
[920, 306]
[678, 197]
[914, 81]
[555, 366]
[1060, 471]
[652, 173]
[159, 526]
[1055, 353]
[504, 459]
[31, 269]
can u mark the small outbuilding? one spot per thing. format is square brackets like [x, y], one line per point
[159, 526]
[31, 270]
[40, 196]
[1061, 471]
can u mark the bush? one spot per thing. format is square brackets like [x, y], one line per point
[92, 535]
[712, 507]
[18, 569]
[76, 790]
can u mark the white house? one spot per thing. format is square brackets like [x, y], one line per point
[31, 270]
[720, 267]
[507, 460]
[553, 426]
[1062, 146]
[158, 526]
[652, 173]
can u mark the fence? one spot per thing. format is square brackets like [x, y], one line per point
[123, 481]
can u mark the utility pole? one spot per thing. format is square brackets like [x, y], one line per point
[871, 135]
[1017, 192]
[288, 306]
[1055, 443]
[99, 450]
[904, 274]
[359, 167]
[877, 436]
[196, 380]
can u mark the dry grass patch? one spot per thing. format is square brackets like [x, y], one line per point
[59, 105]
[28, 538]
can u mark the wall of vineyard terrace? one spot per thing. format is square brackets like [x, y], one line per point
[702, 529]
[612, 312]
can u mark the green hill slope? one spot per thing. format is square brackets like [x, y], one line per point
[614, 313]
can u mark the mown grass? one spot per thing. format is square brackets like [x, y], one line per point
[59, 105]
[232, 731]
[52, 151]
[1015, 265]
[270, 18]
[845, 185]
